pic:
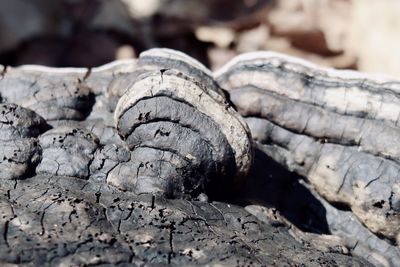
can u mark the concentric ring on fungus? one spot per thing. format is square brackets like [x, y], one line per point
[197, 142]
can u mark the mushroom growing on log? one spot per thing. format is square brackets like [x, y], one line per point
[67, 152]
[180, 137]
[184, 136]
[338, 129]
[19, 151]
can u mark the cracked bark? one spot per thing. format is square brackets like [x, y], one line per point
[67, 151]
[133, 229]
[20, 151]
[54, 218]
[337, 129]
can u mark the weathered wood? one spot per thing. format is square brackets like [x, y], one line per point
[338, 129]
[64, 221]
[78, 202]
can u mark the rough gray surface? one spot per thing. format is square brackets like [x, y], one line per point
[79, 204]
[20, 151]
[17, 122]
[64, 221]
[56, 97]
[278, 194]
[338, 129]
[67, 151]
[345, 224]
[184, 137]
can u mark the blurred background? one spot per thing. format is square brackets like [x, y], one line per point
[355, 34]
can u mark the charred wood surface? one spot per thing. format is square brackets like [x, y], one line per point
[146, 163]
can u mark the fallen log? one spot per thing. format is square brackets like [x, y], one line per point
[89, 195]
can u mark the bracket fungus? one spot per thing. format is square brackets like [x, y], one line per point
[19, 151]
[184, 136]
[110, 166]
[67, 152]
[338, 129]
